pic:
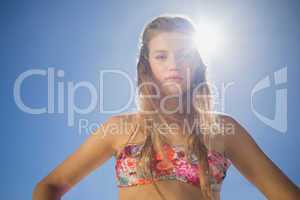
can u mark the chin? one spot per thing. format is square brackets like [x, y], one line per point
[173, 91]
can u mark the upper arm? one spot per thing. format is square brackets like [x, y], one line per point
[96, 149]
[254, 164]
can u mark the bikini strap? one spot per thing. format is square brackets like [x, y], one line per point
[132, 134]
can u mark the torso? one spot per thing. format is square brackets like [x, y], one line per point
[171, 189]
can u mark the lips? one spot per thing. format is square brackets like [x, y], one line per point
[174, 77]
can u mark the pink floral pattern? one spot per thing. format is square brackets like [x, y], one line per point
[178, 167]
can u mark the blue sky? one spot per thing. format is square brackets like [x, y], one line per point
[81, 38]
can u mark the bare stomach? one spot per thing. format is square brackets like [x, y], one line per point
[169, 189]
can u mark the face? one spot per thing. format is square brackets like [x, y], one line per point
[171, 58]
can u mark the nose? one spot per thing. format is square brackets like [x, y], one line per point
[173, 63]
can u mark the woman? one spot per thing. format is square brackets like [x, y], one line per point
[175, 146]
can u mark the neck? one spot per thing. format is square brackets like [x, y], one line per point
[173, 110]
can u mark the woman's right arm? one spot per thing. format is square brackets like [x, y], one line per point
[98, 148]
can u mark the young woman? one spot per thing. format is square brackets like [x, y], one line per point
[175, 146]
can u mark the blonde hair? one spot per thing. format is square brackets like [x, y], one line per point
[201, 112]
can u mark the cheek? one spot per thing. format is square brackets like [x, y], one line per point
[158, 71]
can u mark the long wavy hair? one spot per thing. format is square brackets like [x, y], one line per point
[201, 113]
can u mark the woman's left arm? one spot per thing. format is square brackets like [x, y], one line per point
[253, 163]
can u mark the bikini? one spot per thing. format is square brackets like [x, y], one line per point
[126, 171]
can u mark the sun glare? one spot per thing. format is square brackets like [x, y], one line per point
[209, 39]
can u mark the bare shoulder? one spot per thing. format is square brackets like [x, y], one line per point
[122, 128]
[254, 164]
[239, 143]
[225, 117]
[234, 133]
[228, 127]
[92, 153]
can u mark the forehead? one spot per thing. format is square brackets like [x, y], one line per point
[170, 41]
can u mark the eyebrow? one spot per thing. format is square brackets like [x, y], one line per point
[163, 51]
[160, 51]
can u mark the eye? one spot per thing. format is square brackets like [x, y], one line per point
[161, 57]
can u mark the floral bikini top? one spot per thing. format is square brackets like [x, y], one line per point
[182, 170]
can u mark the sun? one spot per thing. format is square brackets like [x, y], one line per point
[209, 39]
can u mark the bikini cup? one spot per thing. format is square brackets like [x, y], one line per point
[126, 160]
